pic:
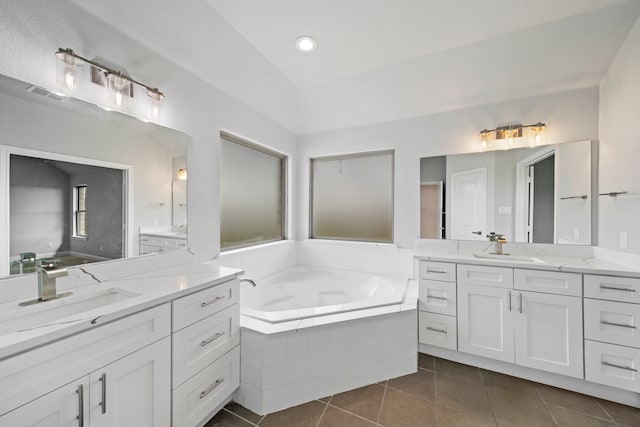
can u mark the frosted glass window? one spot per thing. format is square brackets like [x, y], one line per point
[352, 197]
[252, 194]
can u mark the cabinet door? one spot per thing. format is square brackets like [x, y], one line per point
[63, 407]
[135, 390]
[548, 332]
[485, 322]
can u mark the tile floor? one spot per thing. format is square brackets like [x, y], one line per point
[443, 393]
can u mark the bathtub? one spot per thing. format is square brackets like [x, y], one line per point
[310, 332]
[303, 292]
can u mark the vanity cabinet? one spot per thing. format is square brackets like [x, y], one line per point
[151, 244]
[206, 352]
[437, 304]
[612, 337]
[500, 318]
[174, 364]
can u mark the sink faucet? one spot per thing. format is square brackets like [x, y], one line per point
[249, 281]
[499, 240]
[48, 272]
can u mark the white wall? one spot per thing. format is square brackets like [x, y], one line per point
[571, 116]
[620, 147]
[31, 31]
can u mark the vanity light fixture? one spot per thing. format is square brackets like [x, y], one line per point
[513, 136]
[306, 44]
[182, 174]
[70, 75]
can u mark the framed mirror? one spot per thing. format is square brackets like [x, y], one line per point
[80, 184]
[534, 195]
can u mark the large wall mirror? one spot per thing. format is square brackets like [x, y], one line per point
[80, 184]
[535, 195]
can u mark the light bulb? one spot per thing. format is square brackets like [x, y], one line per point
[119, 93]
[306, 44]
[156, 98]
[69, 70]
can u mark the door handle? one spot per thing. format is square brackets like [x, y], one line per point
[477, 232]
[103, 403]
[80, 417]
[520, 302]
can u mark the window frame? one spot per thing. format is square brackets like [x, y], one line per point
[77, 210]
[284, 158]
[347, 156]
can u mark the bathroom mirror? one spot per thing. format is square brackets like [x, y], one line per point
[78, 183]
[535, 195]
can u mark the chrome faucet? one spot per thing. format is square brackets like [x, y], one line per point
[48, 272]
[499, 240]
[250, 281]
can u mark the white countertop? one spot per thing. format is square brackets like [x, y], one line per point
[153, 288]
[166, 235]
[550, 262]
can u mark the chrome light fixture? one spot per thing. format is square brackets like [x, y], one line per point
[70, 75]
[513, 136]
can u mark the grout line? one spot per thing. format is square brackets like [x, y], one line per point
[352, 413]
[546, 405]
[242, 418]
[326, 405]
[384, 393]
[608, 414]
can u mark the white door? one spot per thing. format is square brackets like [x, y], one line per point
[62, 407]
[469, 204]
[135, 390]
[548, 332]
[485, 322]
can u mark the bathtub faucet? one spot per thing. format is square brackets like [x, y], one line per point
[250, 281]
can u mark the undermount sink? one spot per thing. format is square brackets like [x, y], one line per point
[508, 257]
[48, 312]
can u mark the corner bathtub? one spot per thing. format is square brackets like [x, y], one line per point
[302, 292]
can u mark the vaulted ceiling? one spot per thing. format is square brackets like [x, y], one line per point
[379, 60]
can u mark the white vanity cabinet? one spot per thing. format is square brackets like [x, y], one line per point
[151, 244]
[437, 304]
[120, 372]
[206, 352]
[499, 319]
[612, 331]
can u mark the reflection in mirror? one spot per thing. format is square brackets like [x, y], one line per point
[80, 184]
[535, 195]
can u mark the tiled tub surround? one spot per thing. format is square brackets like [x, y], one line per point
[538, 306]
[136, 346]
[306, 357]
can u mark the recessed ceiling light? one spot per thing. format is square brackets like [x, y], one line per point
[306, 44]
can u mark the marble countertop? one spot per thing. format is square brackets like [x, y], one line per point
[167, 234]
[548, 260]
[150, 289]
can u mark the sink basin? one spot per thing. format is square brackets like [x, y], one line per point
[507, 257]
[16, 318]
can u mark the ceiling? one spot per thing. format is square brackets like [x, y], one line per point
[382, 60]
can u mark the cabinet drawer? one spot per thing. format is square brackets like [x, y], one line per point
[550, 282]
[194, 307]
[438, 330]
[437, 297]
[622, 289]
[498, 277]
[196, 346]
[443, 271]
[612, 365]
[612, 322]
[202, 394]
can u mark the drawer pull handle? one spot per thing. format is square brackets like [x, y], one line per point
[622, 325]
[509, 301]
[626, 368]
[103, 403]
[442, 331]
[212, 339]
[436, 271]
[615, 288]
[212, 387]
[520, 302]
[216, 299]
[440, 298]
[80, 417]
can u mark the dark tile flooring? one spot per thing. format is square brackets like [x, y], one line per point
[443, 393]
